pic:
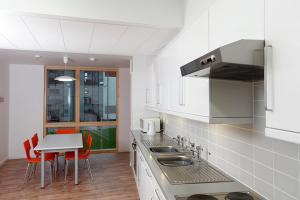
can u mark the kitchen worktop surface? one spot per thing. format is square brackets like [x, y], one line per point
[171, 191]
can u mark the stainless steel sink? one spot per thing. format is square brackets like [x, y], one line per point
[165, 149]
[175, 161]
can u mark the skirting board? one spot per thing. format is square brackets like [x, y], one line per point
[3, 161]
[288, 136]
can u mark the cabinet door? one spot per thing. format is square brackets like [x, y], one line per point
[176, 92]
[196, 90]
[153, 86]
[232, 20]
[144, 186]
[189, 95]
[149, 86]
[158, 195]
[139, 173]
[148, 179]
[161, 70]
[283, 33]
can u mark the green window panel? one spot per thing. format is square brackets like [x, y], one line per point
[104, 137]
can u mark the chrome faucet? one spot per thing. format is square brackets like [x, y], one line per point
[178, 140]
[192, 148]
[198, 151]
[183, 143]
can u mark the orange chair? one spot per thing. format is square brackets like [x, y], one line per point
[66, 131]
[32, 162]
[84, 155]
[84, 140]
[34, 142]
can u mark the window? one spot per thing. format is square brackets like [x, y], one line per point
[88, 104]
[60, 98]
[98, 98]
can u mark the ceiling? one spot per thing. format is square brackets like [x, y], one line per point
[9, 56]
[53, 34]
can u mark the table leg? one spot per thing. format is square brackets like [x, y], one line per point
[76, 166]
[43, 169]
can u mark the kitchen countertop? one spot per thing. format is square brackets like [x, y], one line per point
[169, 190]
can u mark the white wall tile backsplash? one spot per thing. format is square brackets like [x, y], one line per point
[268, 166]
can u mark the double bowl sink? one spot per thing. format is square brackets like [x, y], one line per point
[172, 159]
[179, 166]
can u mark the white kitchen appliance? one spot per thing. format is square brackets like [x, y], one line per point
[150, 125]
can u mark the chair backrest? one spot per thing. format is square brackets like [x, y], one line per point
[66, 131]
[88, 145]
[27, 148]
[35, 140]
[84, 138]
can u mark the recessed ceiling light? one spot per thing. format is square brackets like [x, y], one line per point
[92, 59]
[37, 56]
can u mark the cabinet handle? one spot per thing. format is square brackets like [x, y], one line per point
[148, 173]
[156, 192]
[268, 79]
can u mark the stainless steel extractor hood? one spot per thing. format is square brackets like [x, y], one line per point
[242, 60]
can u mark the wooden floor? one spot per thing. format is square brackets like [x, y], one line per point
[113, 180]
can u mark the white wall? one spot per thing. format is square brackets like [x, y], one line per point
[26, 106]
[139, 66]
[124, 109]
[4, 112]
[166, 13]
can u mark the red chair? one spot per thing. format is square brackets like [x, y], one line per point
[84, 140]
[32, 162]
[84, 155]
[66, 131]
[34, 142]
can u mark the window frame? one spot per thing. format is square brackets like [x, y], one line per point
[77, 123]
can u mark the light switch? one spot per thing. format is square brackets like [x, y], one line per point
[1, 99]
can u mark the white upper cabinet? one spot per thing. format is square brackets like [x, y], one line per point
[195, 98]
[196, 90]
[151, 87]
[195, 39]
[188, 96]
[161, 89]
[232, 20]
[173, 54]
[283, 83]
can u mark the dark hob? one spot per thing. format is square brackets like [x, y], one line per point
[238, 196]
[201, 197]
[222, 196]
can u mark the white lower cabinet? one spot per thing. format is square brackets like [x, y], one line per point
[147, 186]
